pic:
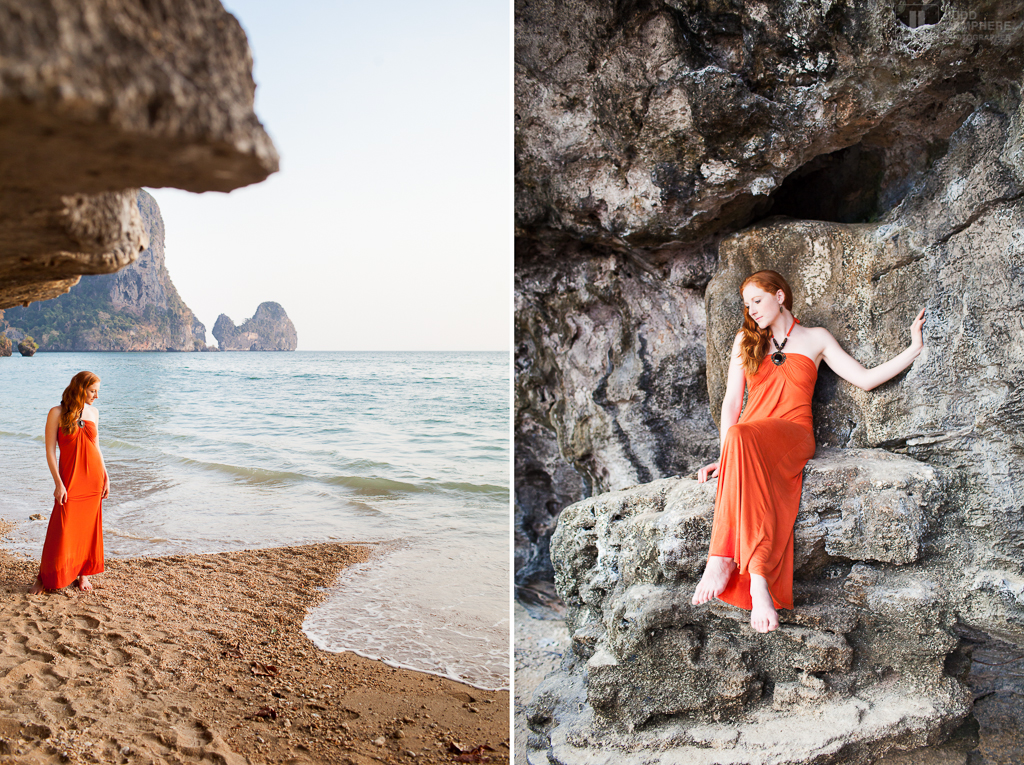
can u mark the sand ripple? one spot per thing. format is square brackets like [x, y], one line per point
[201, 658]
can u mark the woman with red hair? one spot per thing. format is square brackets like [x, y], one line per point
[764, 449]
[74, 539]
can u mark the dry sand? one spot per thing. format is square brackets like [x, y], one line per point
[201, 658]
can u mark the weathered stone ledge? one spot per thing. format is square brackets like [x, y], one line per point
[870, 647]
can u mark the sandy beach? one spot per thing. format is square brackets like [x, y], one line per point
[201, 658]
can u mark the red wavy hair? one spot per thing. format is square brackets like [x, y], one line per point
[755, 341]
[72, 402]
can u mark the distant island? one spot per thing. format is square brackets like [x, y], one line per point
[269, 329]
[137, 309]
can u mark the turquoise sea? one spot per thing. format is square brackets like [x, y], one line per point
[222, 451]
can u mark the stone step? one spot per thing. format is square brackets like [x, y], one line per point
[867, 610]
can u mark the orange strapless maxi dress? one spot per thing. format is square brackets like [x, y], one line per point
[760, 477]
[74, 538]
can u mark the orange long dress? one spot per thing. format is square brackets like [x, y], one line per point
[760, 478]
[74, 538]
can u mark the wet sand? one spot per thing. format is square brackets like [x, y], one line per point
[201, 658]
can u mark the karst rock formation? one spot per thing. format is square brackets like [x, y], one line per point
[269, 329]
[873, 154]
[136, 309]
[99, 98]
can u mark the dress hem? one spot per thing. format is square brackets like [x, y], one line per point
[51, 580]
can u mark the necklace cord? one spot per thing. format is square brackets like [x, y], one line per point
[779, 358]
[786, 338]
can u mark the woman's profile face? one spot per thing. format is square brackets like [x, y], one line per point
[92, 393]
[762, 306]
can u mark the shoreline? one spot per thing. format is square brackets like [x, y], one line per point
[399, 665]
[200, 656]
[378, 560]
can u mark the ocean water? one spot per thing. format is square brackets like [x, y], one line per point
[210, 452]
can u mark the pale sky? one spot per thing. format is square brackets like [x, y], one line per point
[388, 226]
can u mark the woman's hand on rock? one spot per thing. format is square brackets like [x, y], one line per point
[916, 333]
[60, 494]
[709, 471]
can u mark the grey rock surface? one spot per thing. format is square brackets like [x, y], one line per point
[609, 390]
[269, 329]
[664, 151]
[541, 640]
[872, 644]
[98, 99]
[639, 124]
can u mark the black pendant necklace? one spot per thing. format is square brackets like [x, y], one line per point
[779, 358]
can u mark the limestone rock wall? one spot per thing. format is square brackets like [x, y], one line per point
[269, 329]
[664, 151]
[610, 385]
[650, 122]
[99, 98]
[648, 133]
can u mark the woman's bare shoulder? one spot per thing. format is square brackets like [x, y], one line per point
[807, 328]
[819, 333]
[54, 411]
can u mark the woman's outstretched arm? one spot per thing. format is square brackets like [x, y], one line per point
[732, 405]
[851, 370]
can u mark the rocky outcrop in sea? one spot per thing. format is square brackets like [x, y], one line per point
[875, 157]
[269, 329]
[101, 98]
[135, 309]
[28, 346]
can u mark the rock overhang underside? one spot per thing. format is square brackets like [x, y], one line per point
[98, 99]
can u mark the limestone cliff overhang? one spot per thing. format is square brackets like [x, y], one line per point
[99, 98]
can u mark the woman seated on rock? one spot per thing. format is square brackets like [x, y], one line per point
[764, 449]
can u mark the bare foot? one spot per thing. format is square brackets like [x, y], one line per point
[37, 588]
[716, 577]
[763, 616]
[84, 584]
